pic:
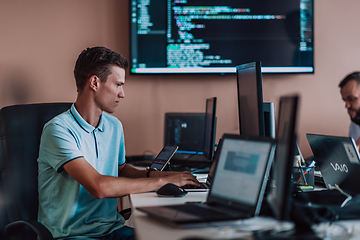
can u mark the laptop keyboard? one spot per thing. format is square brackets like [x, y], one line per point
[198, 210]
[202, 186]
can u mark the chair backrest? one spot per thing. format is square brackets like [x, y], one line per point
[4, 220]
[20, 132]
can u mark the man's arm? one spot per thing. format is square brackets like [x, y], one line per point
[130, 180]
[177, 178]
[354, 130]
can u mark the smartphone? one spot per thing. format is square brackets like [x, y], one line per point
[163, 157]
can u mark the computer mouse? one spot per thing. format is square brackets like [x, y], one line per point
[171, 190]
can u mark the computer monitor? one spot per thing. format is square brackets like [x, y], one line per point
[250, 99]
[194, 133]
[269, 119]
[185, 130]
[210, 128]
[280, 195]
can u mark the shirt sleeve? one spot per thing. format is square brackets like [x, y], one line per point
[58, 146]
[121, 160]
[354, 131]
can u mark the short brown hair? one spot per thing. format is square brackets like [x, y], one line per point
[96, 61]
[352, 76]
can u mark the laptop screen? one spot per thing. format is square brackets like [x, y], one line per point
[241, 170]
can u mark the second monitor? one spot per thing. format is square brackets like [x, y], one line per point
[256, 118]
[194, 133]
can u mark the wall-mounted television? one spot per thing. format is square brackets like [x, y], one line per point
[212, 36]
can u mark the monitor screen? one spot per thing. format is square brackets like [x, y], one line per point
[280, 196]
[269, 119]
[211, 36]
[185, 130]
[250, 99]
[241, 172]
[210, 128]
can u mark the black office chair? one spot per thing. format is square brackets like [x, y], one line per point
[4, 220]
[20, 132]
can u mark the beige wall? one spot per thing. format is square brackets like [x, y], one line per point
[41, 39]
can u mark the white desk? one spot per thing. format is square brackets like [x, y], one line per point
[147, 228]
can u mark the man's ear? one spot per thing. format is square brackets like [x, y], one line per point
[94, 82]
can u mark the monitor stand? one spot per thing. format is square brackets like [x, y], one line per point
[302, 227]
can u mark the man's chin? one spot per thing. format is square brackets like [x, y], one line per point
[112, 111]
[356, 120]
[109, 110]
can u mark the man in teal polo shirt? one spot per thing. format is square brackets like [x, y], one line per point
[82, 167]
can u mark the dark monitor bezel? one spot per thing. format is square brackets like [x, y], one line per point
[210, 133]
[269, 119]
[256, 94]
[280, 197]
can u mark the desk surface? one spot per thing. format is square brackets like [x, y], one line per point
[147, 228]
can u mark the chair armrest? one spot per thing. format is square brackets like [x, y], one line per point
[125, 213]
[124, 206]
[40, 230]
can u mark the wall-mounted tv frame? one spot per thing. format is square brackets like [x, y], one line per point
[211, 36]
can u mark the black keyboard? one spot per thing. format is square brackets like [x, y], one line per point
[202, 186]
[198, 210]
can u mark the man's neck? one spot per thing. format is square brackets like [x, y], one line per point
[88, 110]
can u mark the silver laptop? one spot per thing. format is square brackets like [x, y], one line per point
[238, 187]
[338, 160]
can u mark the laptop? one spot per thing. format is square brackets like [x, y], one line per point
[338, 160]
[205, 186]
[237, 189]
